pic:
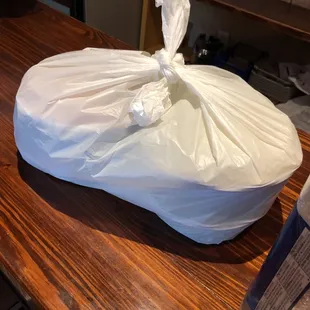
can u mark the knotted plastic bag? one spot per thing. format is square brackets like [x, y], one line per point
[194, 144]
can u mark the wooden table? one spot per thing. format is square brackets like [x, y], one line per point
[70, 247]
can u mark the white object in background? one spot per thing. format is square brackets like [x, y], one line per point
[302, 81]
[194, 144]
[298, 110]
[299, 75]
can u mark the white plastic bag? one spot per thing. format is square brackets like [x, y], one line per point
[194, 144]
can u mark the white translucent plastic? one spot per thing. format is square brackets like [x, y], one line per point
[194, 144]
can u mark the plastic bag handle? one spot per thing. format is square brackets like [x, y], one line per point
[153, 99]
[175, 15]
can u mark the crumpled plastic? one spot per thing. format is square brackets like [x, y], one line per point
[194, 144]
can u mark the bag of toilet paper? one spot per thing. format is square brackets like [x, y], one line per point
[194, 144]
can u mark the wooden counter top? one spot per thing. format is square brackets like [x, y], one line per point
[70, 247]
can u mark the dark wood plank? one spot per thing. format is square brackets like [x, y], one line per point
[71, 247]
[288, 18]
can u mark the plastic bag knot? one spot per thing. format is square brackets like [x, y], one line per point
[167, 65]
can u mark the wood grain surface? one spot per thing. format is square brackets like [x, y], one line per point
[71, 247]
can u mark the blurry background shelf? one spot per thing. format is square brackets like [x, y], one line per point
[151, 37]
[289, 18]
[269, 25]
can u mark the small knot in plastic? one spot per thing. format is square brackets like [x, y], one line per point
[166, 65]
